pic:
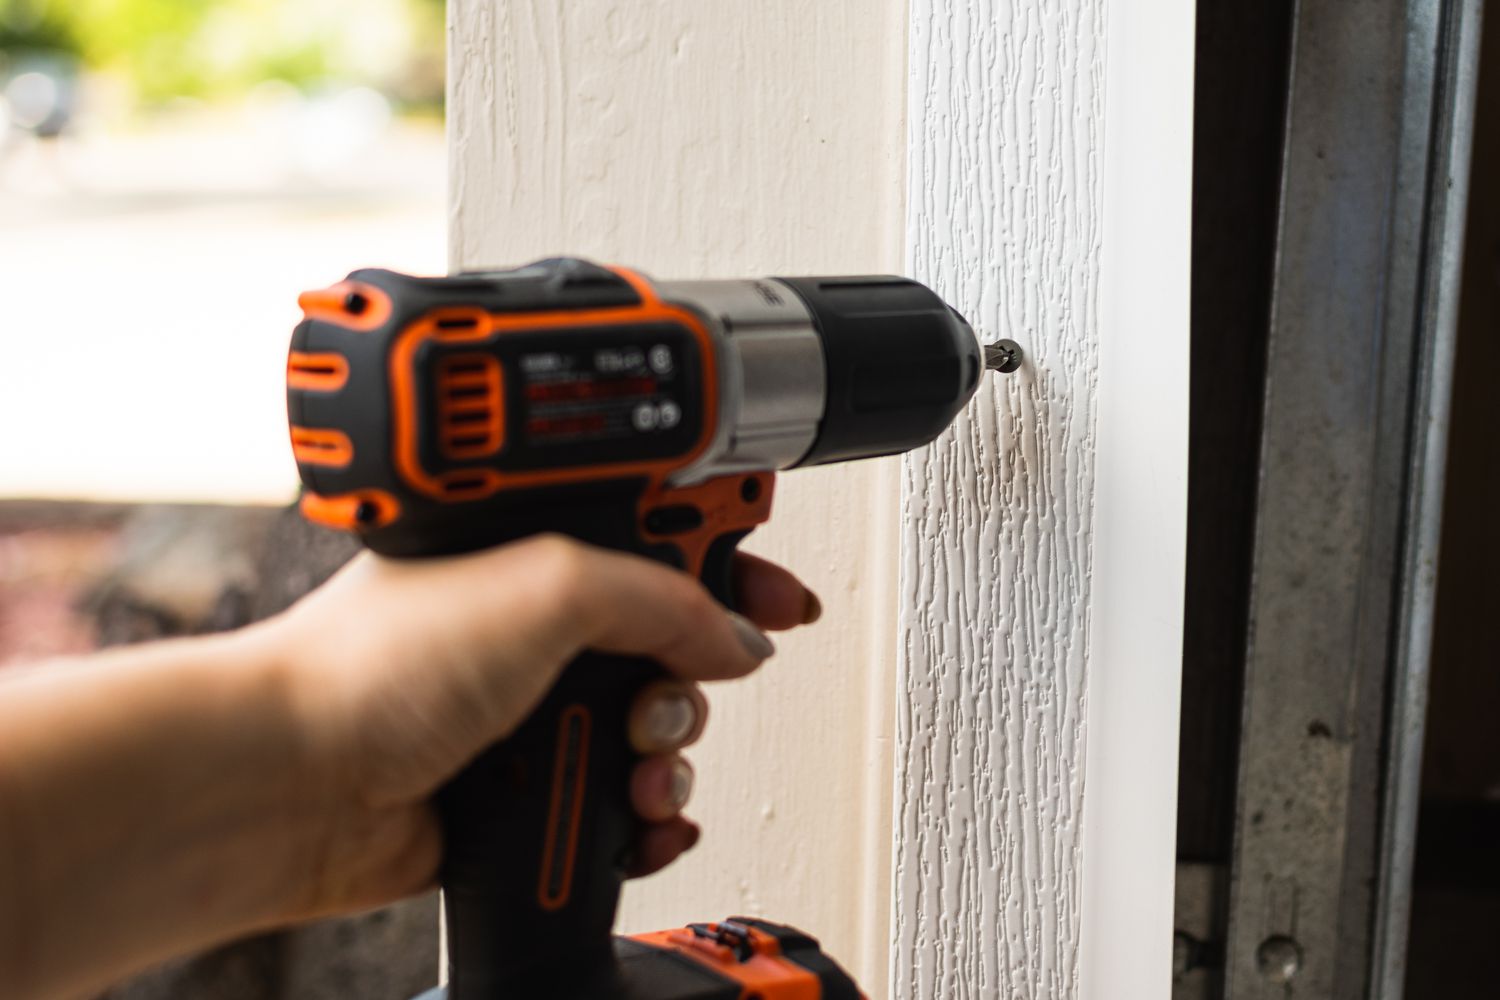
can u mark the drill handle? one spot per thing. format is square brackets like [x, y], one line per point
[539, 828]
[537, 831]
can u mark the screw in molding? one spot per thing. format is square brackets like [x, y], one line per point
[1003, 356]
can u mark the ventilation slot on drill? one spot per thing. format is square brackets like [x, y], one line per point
[470, 413]
[322, 446]
[316, 372]
[465, 488]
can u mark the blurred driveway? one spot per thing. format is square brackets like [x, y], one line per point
[148, 285]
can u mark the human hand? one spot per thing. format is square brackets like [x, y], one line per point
[402, 672]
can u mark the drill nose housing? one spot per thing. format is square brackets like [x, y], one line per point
[829, 369]
[901, 363]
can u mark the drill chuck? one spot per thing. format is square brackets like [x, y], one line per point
[820, 370]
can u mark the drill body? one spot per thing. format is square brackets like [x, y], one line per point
[442, 415]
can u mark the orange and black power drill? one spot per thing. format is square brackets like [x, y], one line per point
[443, 415]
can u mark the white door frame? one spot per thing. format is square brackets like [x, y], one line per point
[1043, 542]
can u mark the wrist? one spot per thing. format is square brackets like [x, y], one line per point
[347, 845]
[279, 803]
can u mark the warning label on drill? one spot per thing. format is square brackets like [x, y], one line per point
[638, 397]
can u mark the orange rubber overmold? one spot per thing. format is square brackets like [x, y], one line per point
[765, 974]
[348, 511]
[573, 727]
[729, 505]
[459, 325]
[322, 446]
[319, 372]
[350, 304]
[471, 406]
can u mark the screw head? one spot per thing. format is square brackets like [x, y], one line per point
[1003, 356]
[355, 303]
[1278, 958]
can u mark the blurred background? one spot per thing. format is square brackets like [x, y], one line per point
[172, 174]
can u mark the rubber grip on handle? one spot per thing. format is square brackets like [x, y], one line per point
[537, 831]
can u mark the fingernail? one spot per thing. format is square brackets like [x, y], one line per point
[670, 719]
[752, 638]
[682, 783]
[812, 610]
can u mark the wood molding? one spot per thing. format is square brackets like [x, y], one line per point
[1021, 652]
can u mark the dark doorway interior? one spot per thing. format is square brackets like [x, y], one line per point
[1239, 120]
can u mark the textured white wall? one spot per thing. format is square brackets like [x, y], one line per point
[1036, 733]
[698, 138]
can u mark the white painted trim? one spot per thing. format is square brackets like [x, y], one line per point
[1005, 130]
[1043, 541]
[1140, 515]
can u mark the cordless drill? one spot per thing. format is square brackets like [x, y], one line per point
[443, 415]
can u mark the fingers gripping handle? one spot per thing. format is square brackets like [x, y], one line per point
[537, 835]
[538, 830]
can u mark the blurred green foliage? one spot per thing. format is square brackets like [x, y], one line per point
[218, 48]
[27, 25]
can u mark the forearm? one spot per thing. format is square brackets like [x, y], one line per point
[105, 872]
[164, 798]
